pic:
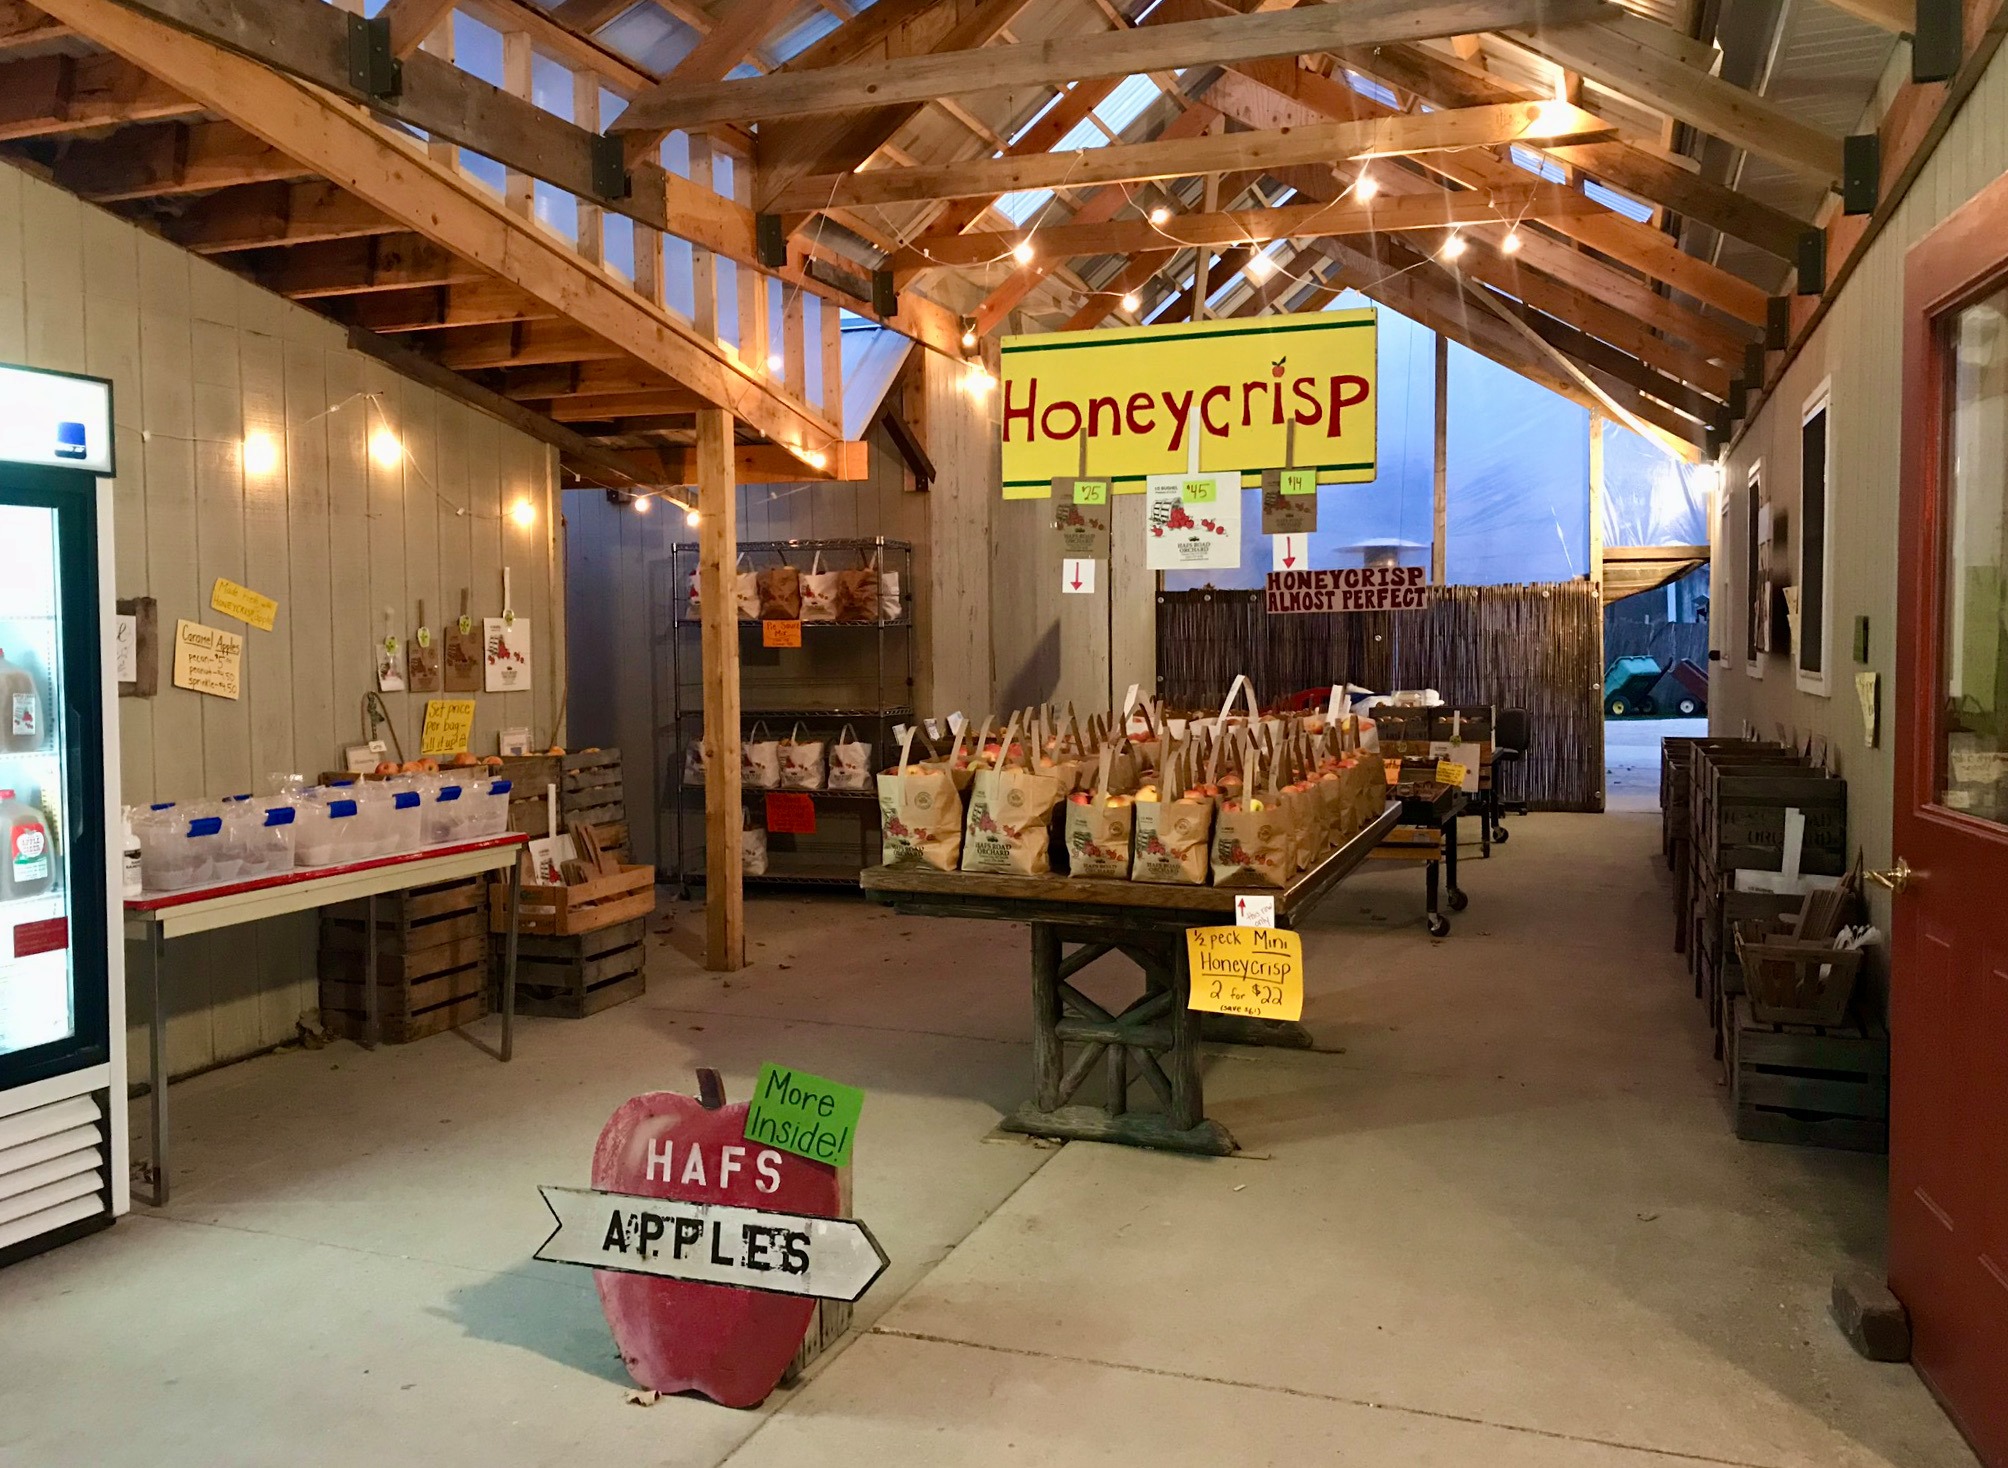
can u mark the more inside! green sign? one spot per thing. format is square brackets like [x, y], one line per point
[804, 1114]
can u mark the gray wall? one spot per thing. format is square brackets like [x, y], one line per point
[1857, 350]
[198, 358]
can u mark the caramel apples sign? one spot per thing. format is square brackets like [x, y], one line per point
[709, 1249]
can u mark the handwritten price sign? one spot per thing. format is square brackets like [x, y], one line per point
[1258, 972]
[1449, 772]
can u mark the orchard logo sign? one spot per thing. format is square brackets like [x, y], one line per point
[1273, 392]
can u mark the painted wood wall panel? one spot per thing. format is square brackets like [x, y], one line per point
[199, 358]
[1858, 349]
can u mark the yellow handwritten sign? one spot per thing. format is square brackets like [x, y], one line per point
[244, 604]
[207, 659]
[1258, 972]
[449, 724]
[1091, 491]
[1253, 392]
[1449, 772]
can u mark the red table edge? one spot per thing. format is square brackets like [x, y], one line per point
[166, 900]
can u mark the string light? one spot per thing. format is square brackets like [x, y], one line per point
[1511, 244]
[642, 502]
[1260, 268]
[1131, 301]
[816, 459]
[776, 363]
[1022, 252]
[1160, 216]
[1551, 118]
[978, 382]
[385, 451]
[692, 516]
[1365, 187]
[524, 514]
[261, 453]
[969, 339]
[1453, 247]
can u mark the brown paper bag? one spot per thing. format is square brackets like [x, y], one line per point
[780, 590]
[920, 814]
[1008, 830]
[857, 598]
[1251, 836]
[1171, 833]
[1099, 826]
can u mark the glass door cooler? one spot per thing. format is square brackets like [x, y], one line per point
[62, 1061]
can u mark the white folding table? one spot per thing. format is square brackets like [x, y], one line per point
[155, 919]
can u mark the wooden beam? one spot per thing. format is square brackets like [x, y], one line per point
[1627, 369]
[1255, 226]
[484, 303]
[1103, 303]
[411, 21]
[753, 463]
[167, 159]
[724, 811]
[580, 379]
[347, 148]
[359, 267]
[1117, 53]
[63, 94]
[274, 214]
[1656, 179]
[1627, 54]
[610, 407]
[517, 344]
[22, 25]
[1395, 134]
[1898, 17]
[1055, 123]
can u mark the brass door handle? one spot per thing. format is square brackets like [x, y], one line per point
[1896, 878]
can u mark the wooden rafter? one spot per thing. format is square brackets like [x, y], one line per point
[259, 215]
[58, 93]
[22, 25]
[486, 303]
[1116, 53]
[167, 159]
[1396, 134]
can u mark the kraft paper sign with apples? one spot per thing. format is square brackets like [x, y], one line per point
[1257, 972]
[804, 1114]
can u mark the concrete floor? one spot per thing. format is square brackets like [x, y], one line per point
[1497, 1218]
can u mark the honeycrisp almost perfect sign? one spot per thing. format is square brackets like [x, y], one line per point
[1257, 393]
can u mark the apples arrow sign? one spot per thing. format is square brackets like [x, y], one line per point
[713, 1243]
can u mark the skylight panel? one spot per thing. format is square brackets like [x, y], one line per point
[1539, 164]
[805, 35]
[1366, 86]
[1624, 204]
[1022, 205]
[1127, 102]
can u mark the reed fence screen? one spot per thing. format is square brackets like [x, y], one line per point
[1537, 647]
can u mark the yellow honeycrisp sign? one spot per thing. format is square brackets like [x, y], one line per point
[1269, 392]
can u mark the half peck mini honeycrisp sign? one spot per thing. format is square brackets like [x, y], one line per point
[1266, 393]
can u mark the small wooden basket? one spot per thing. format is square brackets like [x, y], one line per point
[582, 907]
[1792, 982]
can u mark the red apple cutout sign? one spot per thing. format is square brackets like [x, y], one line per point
[730, 1344]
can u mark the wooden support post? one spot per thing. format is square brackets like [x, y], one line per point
[1440, 518]
[754, 301]
[1597, 421]
[586, 113]
[794, 342]
[440, 44]
[717, 539]
[519, 190]
[833, 362]
[703, 264]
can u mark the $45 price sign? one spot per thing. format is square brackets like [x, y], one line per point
[1258, 972]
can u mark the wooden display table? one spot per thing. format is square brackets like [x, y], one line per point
[1146, 923]
[157, 917]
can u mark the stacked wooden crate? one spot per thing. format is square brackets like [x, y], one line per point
[590, 788]
[582, 946]
[1815, 1086]
[432, 961]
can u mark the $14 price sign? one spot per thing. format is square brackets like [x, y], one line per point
[1257, 972]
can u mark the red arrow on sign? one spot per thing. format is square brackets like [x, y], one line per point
[1289, 545]
[1077, 575]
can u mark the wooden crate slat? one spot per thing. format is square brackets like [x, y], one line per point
[1841, 1133]
[405, 1031]
[578, 908]
[416, 904]
[599, 815]
[589, 759]
[416, 997]
[1811, 1093]
[582, 1006]
[340, 935]
[404, 968]
[1807, 1086]
[606, 777]
[584, 945]
[578, 973]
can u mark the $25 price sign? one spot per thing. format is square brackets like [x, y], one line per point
[1258, 972]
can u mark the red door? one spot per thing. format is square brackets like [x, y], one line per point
[1949, 982]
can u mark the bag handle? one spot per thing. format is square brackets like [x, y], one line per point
[844, 736]
[743, 563]
[1102, 774]
[795, 734]
[753, 735]
[905, 754]
[1240, 685]
[1004, 749]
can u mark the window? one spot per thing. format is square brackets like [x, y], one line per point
[1624, 204]
[1755, 522]
[1815, 545]
[1538, 163]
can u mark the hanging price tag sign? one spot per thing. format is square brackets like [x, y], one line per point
[1198, 491]
[777, 633]
[1257, 972]
[1091, 491]
[1449, 772]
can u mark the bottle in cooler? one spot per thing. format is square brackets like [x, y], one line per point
[21, 730]
[26, 847]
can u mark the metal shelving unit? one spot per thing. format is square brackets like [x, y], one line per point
[856, 673]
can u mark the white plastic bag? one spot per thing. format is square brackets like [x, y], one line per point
[746, 590]
[889, 600]
[760, 760]
[850, 764]
[819, 592]
[753, 848]
[801, 762]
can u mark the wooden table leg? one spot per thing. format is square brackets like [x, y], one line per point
[1047, 1066]
[1188, 1099]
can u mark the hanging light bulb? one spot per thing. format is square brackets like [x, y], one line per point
[1160, 216]
[1453, 247]
[524, 514]
[1131, 301]
[1022, 252]
[1365, 187]
[977, 382]
[816, 459]
[1260, 268]
[385, 451]
[968, 338]
[261, 453]
[642, 502]
[691, 516]
[776, 364]
[1511, 244]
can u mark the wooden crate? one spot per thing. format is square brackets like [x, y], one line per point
[572, 977]
[592, 789]
[582, 907]
[432, 961]
[1808, 1086]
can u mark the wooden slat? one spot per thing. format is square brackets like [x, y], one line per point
[360, 266]
[1625, 53]
[172, 158]
[22, 25]
[516, 345]
[1255, 226]
[1464, 127]
[411, 21]
[274, 214]
[58, 94]
[483, 303]
[1119, 53]
[1102, 303]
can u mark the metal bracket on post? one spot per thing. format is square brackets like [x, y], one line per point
[1936, 44]
[885, 296]
[1753, 363]
[1777, 323]
[373, 70]
[610, 175]
[1812, 262]
[1861, 172]
[770, 241]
